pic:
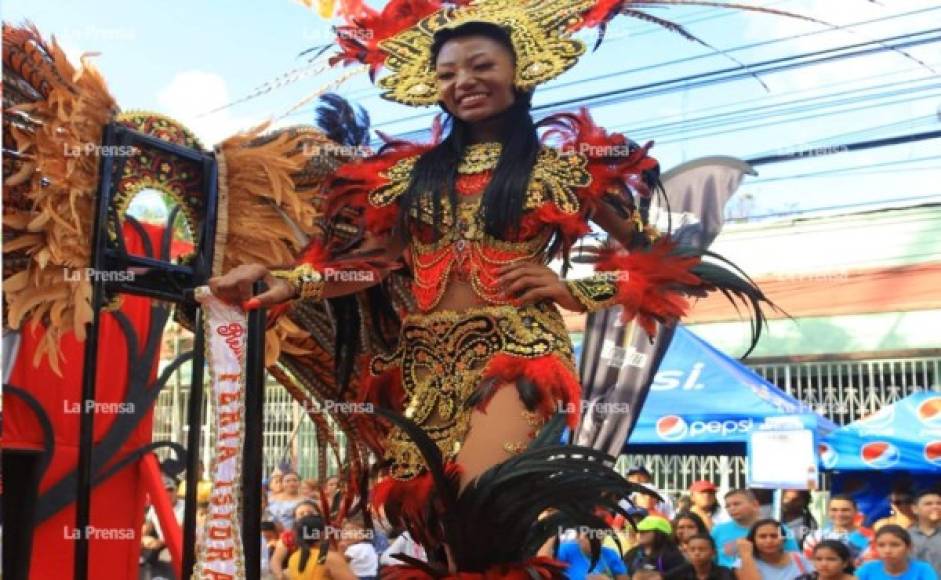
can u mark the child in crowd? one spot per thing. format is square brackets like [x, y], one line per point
[894, 548]
[358, 548]
[832, 560]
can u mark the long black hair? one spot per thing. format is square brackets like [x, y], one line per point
[310, 531]
[435, 172]
[693, 517]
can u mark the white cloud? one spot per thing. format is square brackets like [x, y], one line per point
[191, 94]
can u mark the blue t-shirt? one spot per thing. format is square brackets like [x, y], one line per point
[726, 533]
[571, 554]
[917, 570]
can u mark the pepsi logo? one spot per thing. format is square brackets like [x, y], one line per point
[879, 454]
[878, 421]
[932, 452]
[929, 412]
[674, 427]
[671, 427]
[828, 456]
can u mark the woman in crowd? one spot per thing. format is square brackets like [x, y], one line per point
[313, 559]
[655, 549]
[309, 489]
[686, 525]
[275, 483]
[894, 548]
[287, 542]
[701, 565]
[762, 555]
[576, 555]
[832, 561]
[281, 505]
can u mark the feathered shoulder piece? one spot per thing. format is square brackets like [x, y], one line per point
[373, 185]
[621, 171]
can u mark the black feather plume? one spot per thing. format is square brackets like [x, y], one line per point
[341, 122]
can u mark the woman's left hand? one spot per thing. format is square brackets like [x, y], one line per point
[527, 283]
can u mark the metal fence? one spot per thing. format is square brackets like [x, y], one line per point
[842, 390]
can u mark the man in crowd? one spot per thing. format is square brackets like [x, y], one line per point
[744, 510]
[795, 513]
[902, 503]
[843, 516]
[704, 502]
[155, 556]
[649, 502]
[926, 533]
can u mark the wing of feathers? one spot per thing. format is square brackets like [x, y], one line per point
[509, 511]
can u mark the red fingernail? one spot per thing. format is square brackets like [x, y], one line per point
[251, 304]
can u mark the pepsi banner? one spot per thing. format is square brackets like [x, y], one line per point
[703, 401]
[904, 436]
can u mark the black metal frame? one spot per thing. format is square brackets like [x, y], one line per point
[174, 283]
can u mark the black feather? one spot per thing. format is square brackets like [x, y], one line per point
[343, 124]
[496, 518]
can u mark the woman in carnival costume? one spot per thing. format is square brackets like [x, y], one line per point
[483, 365]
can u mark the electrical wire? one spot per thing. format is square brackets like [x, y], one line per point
[710, 78]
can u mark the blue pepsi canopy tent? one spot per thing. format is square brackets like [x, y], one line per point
[703, 401]
[904, 436]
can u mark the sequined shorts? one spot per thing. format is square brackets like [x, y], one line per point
[442, 357]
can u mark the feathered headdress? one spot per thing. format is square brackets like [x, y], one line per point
[400, 36]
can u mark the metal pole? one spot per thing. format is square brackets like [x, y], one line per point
[194, 421]
[89, 369]
[252, 464]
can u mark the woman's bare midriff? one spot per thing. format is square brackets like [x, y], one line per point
[459, 296]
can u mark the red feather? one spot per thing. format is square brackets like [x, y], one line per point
[409, 504]
[572, 226]
[651, 283]
[613, 166]
[354, 180]
[558, 386]
[366, 27]
[599, 14]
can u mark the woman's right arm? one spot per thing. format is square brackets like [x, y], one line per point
[235, 286]
[749, 566]
[277, 561]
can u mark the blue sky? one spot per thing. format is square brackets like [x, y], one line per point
[184, 58]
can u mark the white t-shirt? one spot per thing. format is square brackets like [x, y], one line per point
[797, 565]
[403, 544]
[363, 559]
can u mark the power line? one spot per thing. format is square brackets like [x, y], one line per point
[838, 207]
[730, 74]
[903, 99]
[858, 146]
[784, 109]
[838, 170]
